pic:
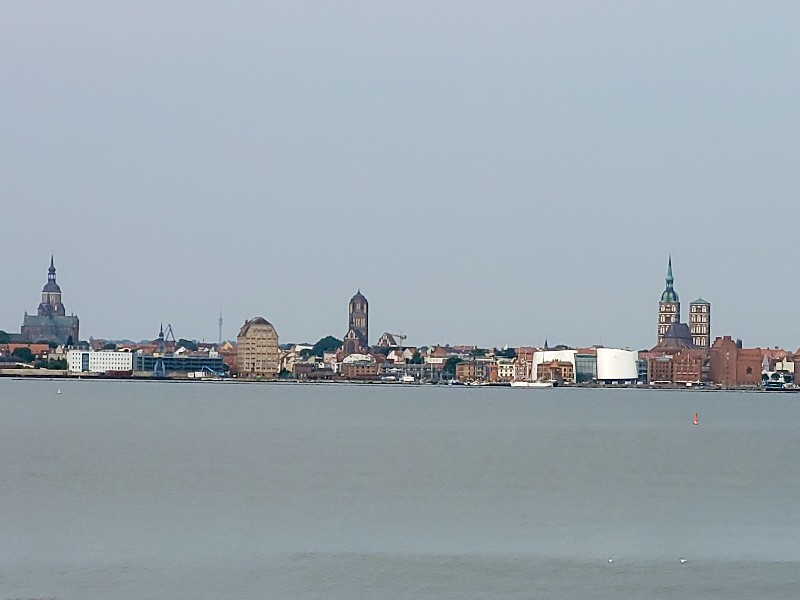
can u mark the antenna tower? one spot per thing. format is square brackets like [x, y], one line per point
[220, 321]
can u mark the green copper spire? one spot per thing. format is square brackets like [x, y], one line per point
[669, 294]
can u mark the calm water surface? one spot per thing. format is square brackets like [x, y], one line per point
[165, 490]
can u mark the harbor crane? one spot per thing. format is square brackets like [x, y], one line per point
[164, 344]
[398, 336]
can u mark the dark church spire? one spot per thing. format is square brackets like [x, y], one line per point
[51, 295]
[669, 294]
[51, 272]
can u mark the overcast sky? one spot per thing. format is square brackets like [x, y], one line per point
[485, 172]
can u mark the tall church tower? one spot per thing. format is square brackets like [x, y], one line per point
[51, 296]
[358, 321]
[50, 323]
[700, 323]
[669, 308]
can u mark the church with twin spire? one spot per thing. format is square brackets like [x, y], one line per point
[674, 334]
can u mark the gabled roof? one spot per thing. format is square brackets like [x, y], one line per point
[677, 337]
[388, 340]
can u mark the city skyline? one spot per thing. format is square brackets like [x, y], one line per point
[490, 175]
[669, 289]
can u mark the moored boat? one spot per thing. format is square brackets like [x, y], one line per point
[532, 384]
[777, 380]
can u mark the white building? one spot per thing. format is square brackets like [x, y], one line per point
[506, 369]
[435, 361]
[614, 364]
[100, 361]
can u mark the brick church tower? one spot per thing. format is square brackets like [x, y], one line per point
[669, 308]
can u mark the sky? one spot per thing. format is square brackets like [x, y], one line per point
[490, 173]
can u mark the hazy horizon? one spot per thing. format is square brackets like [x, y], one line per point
[486, 174]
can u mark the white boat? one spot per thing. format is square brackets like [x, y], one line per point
[532, 384]
[778, 380]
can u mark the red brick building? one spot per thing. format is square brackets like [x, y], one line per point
[467, 371]
[359, 366]
[359, 370]
[734, 366]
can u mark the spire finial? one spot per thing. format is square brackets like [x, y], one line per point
[51, 272]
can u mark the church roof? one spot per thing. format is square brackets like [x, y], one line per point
[51, 286]
[677, 337]
[58, 321]
[701, 301]
[358, 296]
[669, 295]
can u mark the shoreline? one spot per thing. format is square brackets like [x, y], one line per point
[61, 376]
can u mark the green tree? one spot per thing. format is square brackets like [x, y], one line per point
[416, 358]
[24, 354]
[450, 364]
[4, 337]
[507, 353]
[110, 346]
[188, 344]
[57, 364]
[326, 344]
[70, 341]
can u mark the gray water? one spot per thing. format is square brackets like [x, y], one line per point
[201, 490]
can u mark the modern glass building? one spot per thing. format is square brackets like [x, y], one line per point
[585, 368]
[171, 363]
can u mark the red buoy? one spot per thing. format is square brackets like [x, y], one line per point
[695, 422]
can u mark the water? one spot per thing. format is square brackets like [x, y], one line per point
[165, 490]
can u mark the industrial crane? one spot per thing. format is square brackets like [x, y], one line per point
[398, 336]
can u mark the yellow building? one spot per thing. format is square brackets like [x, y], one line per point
[257, 350]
